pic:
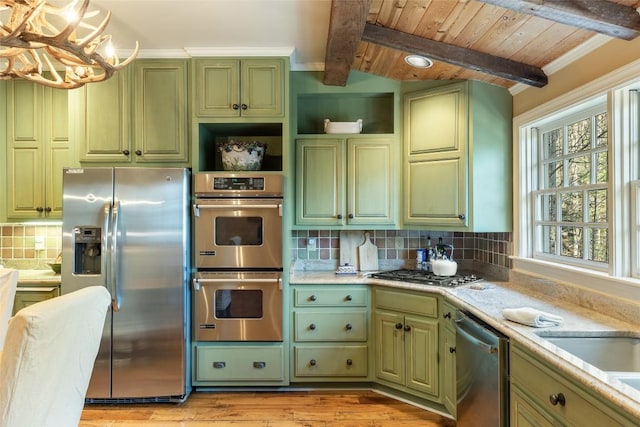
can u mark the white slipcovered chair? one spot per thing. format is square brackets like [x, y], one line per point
[8, 283]
[48, 357]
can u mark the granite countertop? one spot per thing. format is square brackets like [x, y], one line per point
[37, 276]
[488, 303]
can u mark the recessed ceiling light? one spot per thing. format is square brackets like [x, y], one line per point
[418, 61]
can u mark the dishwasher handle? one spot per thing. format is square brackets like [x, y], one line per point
[483, 346]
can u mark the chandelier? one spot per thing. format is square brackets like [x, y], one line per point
[39, 41]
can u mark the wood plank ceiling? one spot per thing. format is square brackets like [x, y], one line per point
[502, 42]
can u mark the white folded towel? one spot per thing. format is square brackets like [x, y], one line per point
[532, 317]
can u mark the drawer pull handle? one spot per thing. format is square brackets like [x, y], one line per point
[259, 365]
[313, 298]
[447, 315]
[219, 365]
[557, 399]
[312, 326]
[312, 362]
[349, 362]
[452, 350]
[349, 298]
[398, 325]
[348, 326]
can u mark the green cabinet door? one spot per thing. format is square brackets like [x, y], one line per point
[320, 182]
[160, 113]
[371, 181]
[449, 389]
[422, 372]
[37, 150]
[389, 346]
[345, 182]
[100, 119]
[435, 150]
[228, 87]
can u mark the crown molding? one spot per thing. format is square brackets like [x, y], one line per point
[566, 59]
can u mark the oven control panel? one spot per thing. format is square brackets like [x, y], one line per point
[238, 184]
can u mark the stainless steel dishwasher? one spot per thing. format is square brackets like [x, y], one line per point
[482, 373]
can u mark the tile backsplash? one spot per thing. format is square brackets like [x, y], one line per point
[18, 243]
[489, 248]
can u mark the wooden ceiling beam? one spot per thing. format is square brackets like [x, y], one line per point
[345, 31]
[462, 57]
[612, 19]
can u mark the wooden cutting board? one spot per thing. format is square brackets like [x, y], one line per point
[368, 255]
[349, 242]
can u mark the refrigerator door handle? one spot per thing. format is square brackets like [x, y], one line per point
[105, 264]
[115, 296]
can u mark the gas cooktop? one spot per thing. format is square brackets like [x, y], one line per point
[427, 277]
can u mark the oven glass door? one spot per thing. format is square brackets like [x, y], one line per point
[238, 233]
[238, 306]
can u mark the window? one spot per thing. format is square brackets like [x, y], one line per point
[577, 187]
[571, 210]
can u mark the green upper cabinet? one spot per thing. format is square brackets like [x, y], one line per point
[100, 119]
[345, 182]
[138, 116]
[457, 158]
[160, 114]
[227, 87]
[37, 150]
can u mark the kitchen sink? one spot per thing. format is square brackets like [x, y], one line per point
[619, 352]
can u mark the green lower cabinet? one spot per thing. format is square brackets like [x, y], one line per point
[238, 364]
[542, 396]
[28, 295]
[330, 330]
[406, 342]
[345, 360]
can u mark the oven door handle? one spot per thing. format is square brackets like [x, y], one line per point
[197, 207]
[196, 281]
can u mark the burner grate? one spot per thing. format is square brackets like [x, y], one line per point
[426, 277]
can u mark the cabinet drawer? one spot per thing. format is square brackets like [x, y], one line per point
[330, 361]
[330, 326]
[335, 297]
[540, 383]
[27, 295]
[415, 303]
[240, 363]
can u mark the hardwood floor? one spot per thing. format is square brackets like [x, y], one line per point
[268, 409]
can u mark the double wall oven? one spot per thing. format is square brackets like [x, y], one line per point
[238, 257]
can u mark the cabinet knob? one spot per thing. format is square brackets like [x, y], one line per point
[244, 106]
[407, 328]
[312, 362]
[447, 315]
[138, 153]
[313, 298]
[312, 326]
[452, 350]
[47, 209]
[125, 152]
[348, 326]
[349, 362]
[461, 217]
[350, 216]
[349, 298]
[557, 399]
[235, 106]
[39, 209]
[339, 216]
[398, 325]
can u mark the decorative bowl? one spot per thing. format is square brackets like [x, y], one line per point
[242, 155]
[55, 266]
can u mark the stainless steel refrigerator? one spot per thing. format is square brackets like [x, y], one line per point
[128, 229]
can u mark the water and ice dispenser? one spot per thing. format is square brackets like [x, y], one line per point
[87, 250]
